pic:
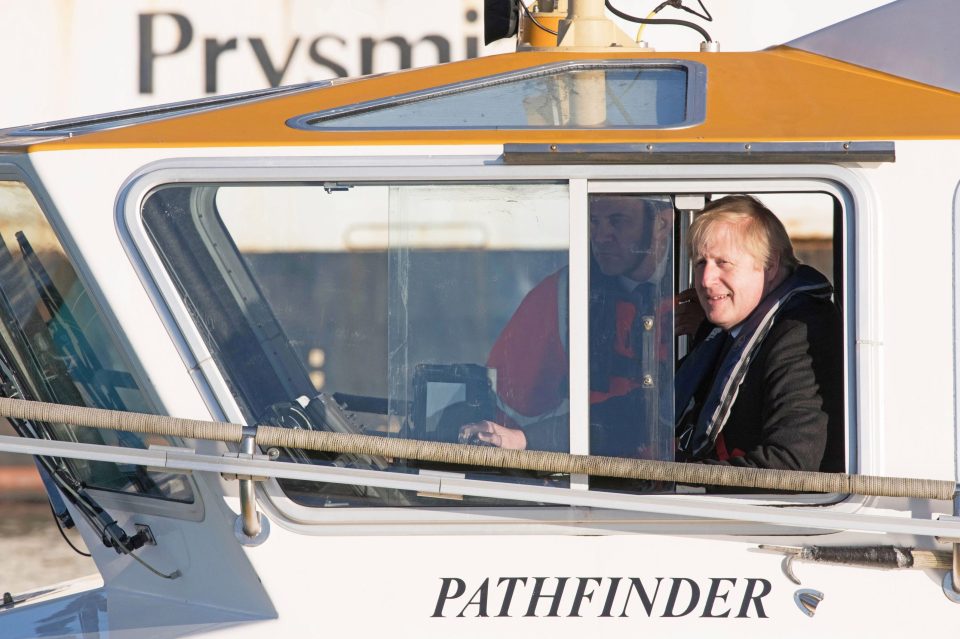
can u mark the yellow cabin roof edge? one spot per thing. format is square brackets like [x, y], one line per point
[793, 95]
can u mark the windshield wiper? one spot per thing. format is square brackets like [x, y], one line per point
[52, 380]
[77, 371]
[56, 471]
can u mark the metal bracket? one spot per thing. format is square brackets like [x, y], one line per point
[146, 534]
[951, 581]
[241, 455]
[250, 528]
[948, 540]
[252, 540]
[179, 450]
[744, 152]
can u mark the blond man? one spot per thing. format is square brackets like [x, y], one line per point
[763, 385]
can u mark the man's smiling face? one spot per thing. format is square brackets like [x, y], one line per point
[730, 281]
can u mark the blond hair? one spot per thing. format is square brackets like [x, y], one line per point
[761, 232]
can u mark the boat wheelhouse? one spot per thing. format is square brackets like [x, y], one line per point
[341, 257]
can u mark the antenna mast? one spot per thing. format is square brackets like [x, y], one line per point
[587, 25]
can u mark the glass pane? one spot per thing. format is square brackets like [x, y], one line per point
[364, 308]
[632, 97]
[631, 330]
[56, 348]
[780, 409]
[483, 318]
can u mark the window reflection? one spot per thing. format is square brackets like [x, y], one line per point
[55, 347]
[622, 96]
[631, 329]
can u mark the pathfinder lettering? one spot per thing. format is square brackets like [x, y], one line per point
[668, 597]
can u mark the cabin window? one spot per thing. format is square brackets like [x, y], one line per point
[608, 94]
[378, 302]
[815, 224]
[416, 310]
[55, 347]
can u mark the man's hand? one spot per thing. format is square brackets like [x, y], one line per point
[688, 314]
[494, 434]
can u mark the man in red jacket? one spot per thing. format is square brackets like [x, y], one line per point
[631, 341]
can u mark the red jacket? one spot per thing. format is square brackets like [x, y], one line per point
[530, 355]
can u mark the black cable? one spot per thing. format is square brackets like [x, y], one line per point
[682, 23]
[112, 535]
[118, 540]
[64, 534]
[678, 4]
[534, 20]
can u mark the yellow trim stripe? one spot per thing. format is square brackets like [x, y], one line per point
[780, 94]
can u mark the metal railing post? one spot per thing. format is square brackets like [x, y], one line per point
[251, 528]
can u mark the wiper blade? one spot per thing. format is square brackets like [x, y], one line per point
[59, 480]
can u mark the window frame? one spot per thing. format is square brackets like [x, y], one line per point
[12, 169]
[860, 315]
[695, 112]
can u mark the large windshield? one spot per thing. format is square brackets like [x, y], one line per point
[427, 311]
[54, 346]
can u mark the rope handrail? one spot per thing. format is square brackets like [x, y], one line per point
[541, 461]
